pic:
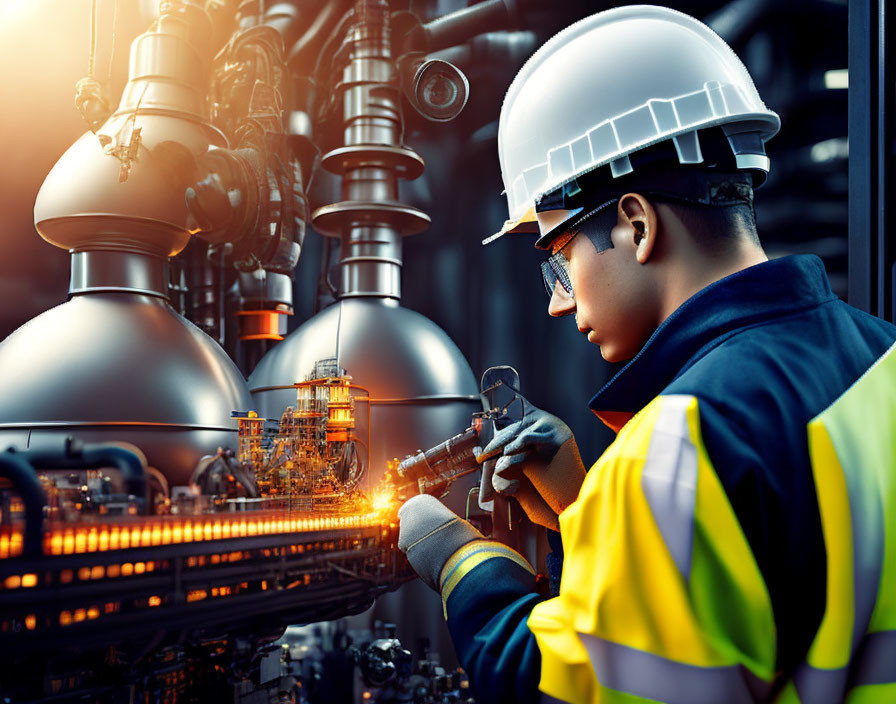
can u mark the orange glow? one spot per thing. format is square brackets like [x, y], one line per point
[196, 595]
[102, 537]
[56, 544]
[155, 601]
[30, 622]
[12, 582]
[93, 612]
[29, 580]
[65, 618]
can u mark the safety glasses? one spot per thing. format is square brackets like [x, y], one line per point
[596, 225]
[554, 270]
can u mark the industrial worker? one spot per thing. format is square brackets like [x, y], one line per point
[736, 542]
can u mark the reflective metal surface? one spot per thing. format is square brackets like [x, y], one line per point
[422, 391]
[120, 366]
[421, 388]
[123, 186]
[370, 218]
[101, 270]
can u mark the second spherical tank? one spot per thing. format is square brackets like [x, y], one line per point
[422, 390]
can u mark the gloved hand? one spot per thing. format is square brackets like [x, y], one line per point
[430, 533]
[539, 465]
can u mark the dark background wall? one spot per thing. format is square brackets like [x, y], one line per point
[489, 300]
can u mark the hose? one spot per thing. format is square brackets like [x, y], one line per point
[15, 468]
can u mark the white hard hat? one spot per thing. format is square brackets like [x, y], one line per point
[613, 84]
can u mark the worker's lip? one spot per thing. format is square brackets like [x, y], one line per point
[586, 331]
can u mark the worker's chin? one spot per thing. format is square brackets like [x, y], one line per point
[610, 352]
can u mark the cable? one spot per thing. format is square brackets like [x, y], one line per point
[91, 55]
[112, 48]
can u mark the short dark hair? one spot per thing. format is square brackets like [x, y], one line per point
[722, 212]
[716, 225]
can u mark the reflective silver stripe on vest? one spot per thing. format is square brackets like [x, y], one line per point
[647, 675]
[816, 686]
[867, 522]
[867, 517]
[669, 479]
[875, 661]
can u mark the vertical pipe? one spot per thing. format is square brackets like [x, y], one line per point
[871, 264]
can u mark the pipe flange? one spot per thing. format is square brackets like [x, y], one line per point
[407, 163]
[333, 219]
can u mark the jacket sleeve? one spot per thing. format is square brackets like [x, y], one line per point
[488, 591]
[661, 598]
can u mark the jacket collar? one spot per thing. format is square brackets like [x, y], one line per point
[756, 294]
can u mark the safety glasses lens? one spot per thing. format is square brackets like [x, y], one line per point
[554, 270]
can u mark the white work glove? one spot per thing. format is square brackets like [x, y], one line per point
[429, 533]
[539, 465]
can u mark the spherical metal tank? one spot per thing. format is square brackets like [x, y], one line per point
[422, 390]
[120, 366]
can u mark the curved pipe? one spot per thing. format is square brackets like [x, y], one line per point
[24, 480]
[460, 26]
[94, 456]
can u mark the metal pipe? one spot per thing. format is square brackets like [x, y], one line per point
[74, 455]
[370, 220]
[458, 27]
[107, 270]
[24, 480]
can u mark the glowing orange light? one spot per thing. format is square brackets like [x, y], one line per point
[12, 582]
[155, 601]
[93, 612]
[30, 622]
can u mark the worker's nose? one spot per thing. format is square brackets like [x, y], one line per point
[561, 303]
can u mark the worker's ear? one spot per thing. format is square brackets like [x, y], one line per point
[639, 218]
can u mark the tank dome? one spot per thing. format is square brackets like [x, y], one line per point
[422, 390]
[120, 366]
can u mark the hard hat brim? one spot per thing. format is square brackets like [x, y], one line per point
[527, 223]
